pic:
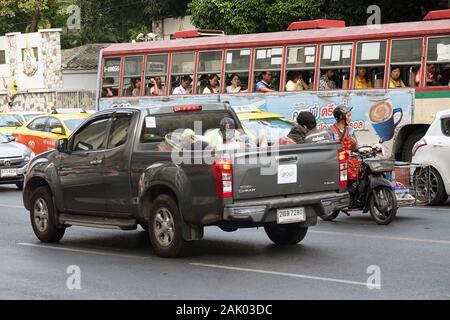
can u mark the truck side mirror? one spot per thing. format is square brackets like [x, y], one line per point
[62, 145]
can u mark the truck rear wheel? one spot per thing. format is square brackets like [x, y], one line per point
[288, 234]
[165, 227]
[43, 216]
[331, 216]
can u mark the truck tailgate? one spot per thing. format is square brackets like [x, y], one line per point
[293, 169]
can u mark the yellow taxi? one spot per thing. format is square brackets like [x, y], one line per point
[8, 124]
[256, 122]
[41, 133]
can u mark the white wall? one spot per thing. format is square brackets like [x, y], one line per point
[79, 81]
[23, 81]
[172, 25]
[4, 68]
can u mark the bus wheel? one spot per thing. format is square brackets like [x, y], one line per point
[409, 144]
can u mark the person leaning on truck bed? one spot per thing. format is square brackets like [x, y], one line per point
[306, 130]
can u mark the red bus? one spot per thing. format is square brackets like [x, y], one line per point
[396, 76]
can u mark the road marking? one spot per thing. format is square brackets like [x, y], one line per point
[284, 274]
[11, 206]
[95, 252]
[369, 236]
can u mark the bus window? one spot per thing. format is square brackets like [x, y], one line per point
[335, 66]
[237, 71]
[209, 71]
[300, 65]
[268, 69]
[406, 56]
[156, 75]
[132, 76]
[438, 62]
[370, 65]
[182, 73]
[111, 78]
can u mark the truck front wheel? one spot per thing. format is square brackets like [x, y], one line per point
[165, 227]
[288, 234]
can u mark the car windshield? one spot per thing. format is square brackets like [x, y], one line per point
[274, 128]
[7, 120]
[3, 139]
[72, 124]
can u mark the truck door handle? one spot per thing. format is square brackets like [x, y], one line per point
[96, 162]
[287, 159]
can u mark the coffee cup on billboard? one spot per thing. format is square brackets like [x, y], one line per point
[382, 116]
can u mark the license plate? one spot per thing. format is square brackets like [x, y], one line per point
[292, 215]
[8, 173]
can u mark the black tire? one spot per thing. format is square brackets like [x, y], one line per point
[433, 192]
[19, 186]
[383, 216]
[409, 144]
[331, 216]
[43, 216]
[288, 234]
[438, 194]
[169, 243]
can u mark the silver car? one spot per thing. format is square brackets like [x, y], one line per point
[14, 158]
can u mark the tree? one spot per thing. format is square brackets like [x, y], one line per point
[231, 16]
[247, 16]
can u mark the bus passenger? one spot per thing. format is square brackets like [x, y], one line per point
[213, 84]
[107, 90]
[136, 87]
[235, 86]
[361, 81]
[186, 81]
[157, 88]
[264, 84]
[396, 81]
[296, 82]
[433, 76]
[326, 81]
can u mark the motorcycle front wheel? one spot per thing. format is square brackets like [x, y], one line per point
[383, 205]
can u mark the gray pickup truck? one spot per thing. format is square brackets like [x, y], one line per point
[123, 168]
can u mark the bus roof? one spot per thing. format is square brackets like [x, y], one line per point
[372, 32]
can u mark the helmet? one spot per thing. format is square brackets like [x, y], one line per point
[340, 112]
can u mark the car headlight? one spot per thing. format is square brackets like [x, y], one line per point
[29, 157]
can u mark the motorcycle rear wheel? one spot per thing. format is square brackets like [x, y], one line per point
[386, 210]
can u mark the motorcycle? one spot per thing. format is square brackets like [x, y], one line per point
[369, 189]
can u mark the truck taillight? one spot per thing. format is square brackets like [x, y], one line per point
[223, 176]
[343, 166]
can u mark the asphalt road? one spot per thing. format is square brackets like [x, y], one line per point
[412, 255]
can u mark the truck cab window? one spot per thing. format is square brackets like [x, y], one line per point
[119, 131]
[91, 137]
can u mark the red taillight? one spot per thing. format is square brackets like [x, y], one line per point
[187, 108]
[343, 168]
[223, 176]
[419, 144]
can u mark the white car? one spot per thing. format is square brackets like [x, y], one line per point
[434, 150]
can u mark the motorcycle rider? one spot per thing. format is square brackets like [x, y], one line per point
[341, 130]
